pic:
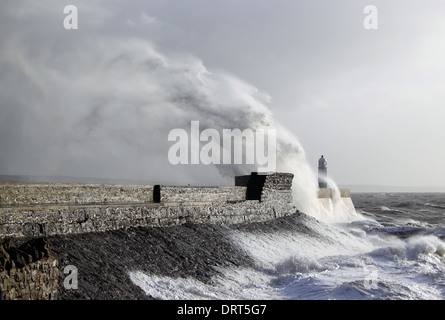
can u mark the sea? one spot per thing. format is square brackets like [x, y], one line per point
[391, 248]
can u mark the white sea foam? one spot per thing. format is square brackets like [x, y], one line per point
[230, 284]
[357, 260]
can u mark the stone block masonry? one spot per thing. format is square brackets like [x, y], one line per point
[175, 194]
[47, 209]
[26, 194]
[27, 272]
[267, 187]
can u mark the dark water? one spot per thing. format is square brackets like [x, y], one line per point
[392, 248]
[404, 214]
[421, 206]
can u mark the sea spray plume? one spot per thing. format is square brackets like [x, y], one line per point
[112, 112]
[291, 157]
[339, 212]
[223, 101]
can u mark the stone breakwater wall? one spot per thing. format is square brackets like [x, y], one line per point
[51, 209]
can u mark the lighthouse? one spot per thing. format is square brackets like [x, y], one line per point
[330, 198]
[322, 172]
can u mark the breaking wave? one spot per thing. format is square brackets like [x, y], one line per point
[361, 259]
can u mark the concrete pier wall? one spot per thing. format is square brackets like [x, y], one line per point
[328, 197]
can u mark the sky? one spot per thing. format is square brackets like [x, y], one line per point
[99, 100]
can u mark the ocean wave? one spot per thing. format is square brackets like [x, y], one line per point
[438, 231]
[403, 231]
[412, 249]
[434, 205]
[298, 265]
[426, 245]
[398, 257]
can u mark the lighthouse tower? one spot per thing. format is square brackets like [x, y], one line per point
[322, 172]
[327, 195]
